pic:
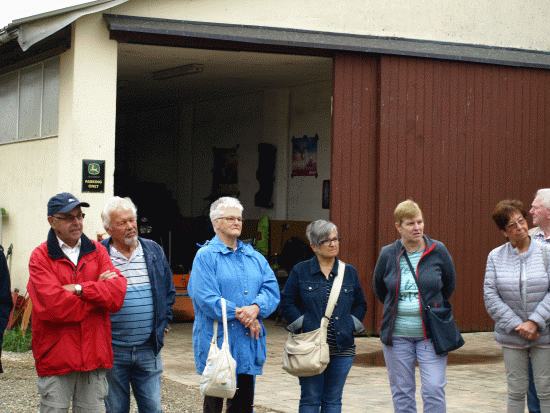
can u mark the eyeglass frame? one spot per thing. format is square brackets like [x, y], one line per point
[327, 241]
[514, 225]
[232, 220]
[71, 218]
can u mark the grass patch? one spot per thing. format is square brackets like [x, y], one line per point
[16, 342]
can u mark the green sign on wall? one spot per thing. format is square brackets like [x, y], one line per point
[93, 176]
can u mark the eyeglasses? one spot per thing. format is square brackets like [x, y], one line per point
[513, 225]
[330, 241]
[70, 218]
[232, 219]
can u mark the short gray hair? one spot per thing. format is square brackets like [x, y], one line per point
[544, 195]
[218, 207]
[319, 230]
[114, 204]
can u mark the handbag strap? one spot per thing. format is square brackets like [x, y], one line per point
[413, 272]
[335, 291]
[215, 326]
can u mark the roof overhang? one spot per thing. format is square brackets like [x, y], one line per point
[33, 29]
[132, 29]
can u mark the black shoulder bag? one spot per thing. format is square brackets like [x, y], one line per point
[445, 333]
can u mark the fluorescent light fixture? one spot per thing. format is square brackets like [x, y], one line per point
[178, 71]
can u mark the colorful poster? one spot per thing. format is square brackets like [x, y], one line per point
[304, 156]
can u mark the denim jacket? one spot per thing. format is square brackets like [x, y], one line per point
[162, 285]
[304, 301]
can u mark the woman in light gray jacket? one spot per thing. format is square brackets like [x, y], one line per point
[517, 298]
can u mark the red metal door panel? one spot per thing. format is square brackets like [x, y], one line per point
[354, 165]
[456, 137]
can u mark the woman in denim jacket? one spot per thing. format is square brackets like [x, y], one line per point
[303, 303]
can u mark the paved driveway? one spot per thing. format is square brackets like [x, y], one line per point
[475, 374]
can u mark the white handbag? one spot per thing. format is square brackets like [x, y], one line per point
[219, 378]
[307, 354]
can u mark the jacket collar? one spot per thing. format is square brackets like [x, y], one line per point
[217, 245]
[107, 244]
[532, 247]
[399, 247]
[55, 251]
[315, 268]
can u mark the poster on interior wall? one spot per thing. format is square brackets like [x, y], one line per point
[304, 156]
[225, 179]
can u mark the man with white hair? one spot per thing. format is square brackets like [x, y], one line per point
[540, 209]
[140, 326]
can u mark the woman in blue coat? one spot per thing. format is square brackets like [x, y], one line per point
[303, 303]
[226, 267]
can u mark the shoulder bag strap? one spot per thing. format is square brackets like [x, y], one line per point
[224, 314]
[215, 326]
[413, 272]
[335, 291]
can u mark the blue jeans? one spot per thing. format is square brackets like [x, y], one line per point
[138, 366]
[324, 391]
[400, 358]
[533, 403]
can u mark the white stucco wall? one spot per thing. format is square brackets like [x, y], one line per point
[33, 171]
[28, 178]
[310, 115]
[515, 23]
[87, 112]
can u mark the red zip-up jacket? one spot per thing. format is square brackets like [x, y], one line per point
[70, 332]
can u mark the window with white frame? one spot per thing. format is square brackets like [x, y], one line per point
[29, 102]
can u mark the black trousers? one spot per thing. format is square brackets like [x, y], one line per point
[243, 401]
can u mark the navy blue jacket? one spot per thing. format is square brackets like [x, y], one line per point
[162, 285]
[305, 294]
[5, 297]
[435, 275]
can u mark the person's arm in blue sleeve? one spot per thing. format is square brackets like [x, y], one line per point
[359, 307]
[291, 301]
[379, 286]
[269, 296]
[168, 288]
[204, 288]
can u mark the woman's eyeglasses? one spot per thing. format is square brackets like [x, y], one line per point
[232, 219]
[330, 241]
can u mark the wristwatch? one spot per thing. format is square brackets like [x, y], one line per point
[78, 289]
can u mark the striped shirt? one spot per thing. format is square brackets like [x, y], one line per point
[133, 324]
[539, 236]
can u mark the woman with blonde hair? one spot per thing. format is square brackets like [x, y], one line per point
[405, 332]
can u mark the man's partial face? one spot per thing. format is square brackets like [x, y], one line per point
[68, 226]
[123, 228]
[541, 216]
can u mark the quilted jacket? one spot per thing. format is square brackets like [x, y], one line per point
[502, 292]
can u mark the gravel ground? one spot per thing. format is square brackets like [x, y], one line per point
[19, 395]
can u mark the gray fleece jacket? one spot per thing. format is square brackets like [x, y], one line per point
[502, 292]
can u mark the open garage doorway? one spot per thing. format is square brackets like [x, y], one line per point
[221, 123]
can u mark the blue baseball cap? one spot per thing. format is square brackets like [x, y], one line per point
[63, 203]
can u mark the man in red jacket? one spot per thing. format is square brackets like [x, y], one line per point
[73, 287]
